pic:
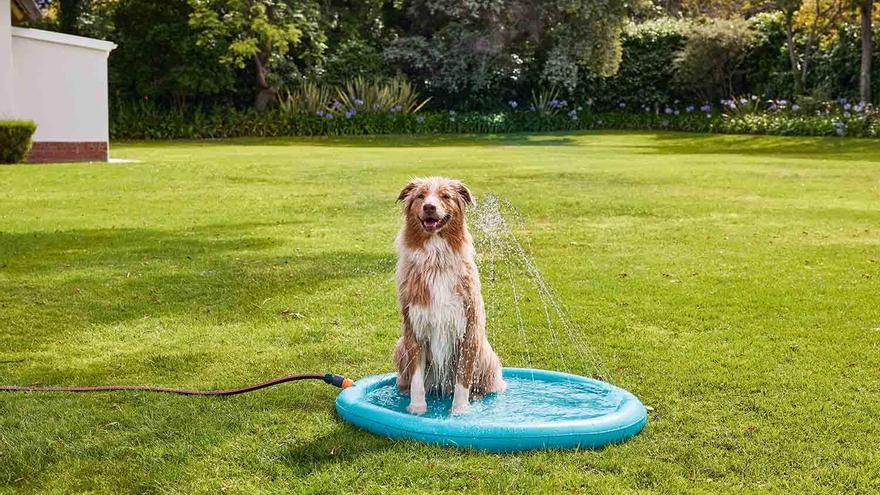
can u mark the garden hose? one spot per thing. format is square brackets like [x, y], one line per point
[331, 379]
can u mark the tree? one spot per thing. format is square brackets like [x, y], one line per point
[818, 18]
[463, 50]
[257, 32]
[158, 56]
[68, 14]
[866, 9]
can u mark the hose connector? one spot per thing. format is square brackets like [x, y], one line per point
[337, 380]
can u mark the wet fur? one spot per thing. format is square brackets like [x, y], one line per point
[443, 322]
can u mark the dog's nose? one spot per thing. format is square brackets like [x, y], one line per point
[429, 208]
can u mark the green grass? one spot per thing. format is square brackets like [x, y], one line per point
[731, 282]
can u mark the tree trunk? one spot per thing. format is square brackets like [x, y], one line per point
[265, 94]
[866, 8]
[792, 52]
[68, 13]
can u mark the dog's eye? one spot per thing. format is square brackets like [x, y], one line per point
[446, 196]
[421, 196]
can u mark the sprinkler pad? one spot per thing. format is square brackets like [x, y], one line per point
[539, 410]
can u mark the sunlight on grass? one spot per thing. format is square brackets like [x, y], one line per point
[730, 282]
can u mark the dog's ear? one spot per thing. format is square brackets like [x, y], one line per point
[407, 189]
[465, 194]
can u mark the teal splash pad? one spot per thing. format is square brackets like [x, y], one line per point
[540, 410]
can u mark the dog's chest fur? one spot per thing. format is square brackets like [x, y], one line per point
[439, 324]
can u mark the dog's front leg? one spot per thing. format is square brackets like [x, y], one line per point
[417, 404]
[467, 358]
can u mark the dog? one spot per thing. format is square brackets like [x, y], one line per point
[443, 347]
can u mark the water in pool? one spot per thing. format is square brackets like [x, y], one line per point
[526, 401]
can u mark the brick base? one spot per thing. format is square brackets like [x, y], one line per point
[77, 151]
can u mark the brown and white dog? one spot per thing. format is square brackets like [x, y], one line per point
[443, 346]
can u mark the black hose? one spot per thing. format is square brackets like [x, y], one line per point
[335, 380]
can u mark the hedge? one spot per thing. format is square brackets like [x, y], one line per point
[780, 118]
[15, 139]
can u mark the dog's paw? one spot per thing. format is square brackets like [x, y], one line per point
[417, 408]
[460, 409]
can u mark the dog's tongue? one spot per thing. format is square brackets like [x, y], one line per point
[431, 224]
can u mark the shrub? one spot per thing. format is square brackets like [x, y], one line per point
[646, 69]
[754, 116]
[711, 61]
[15, 139]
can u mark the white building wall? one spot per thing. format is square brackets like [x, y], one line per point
[6, 109]
[60, 82]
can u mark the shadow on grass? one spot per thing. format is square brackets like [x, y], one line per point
[771, 146]
[659, 142]
[74, 279]
[385, 140]
[340, 447]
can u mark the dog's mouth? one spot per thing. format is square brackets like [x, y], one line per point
[433, 224]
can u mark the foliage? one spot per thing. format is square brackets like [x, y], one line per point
[257, 33]
[768, 71]
[711, 63]
[159, 57]
[646, 75]
[353, 58]
[15, 139]
[394, 95]
[467, 50]
[744, 115]
[837, 70]
[310, 98]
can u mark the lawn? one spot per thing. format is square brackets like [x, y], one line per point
[731, 282]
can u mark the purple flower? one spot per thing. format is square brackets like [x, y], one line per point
[706, 108]
[664, 123]
[689, 109]
[513, 104]
[743, 101]
[847, 106]
[319, 113]
[772, 107]
[621, 105]
[668, 111]
[573, 115]
[839, 128]
[532, 108]
[336, 105]
[396, 109]
[358, 101]
[329, 116]
[350, 113]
